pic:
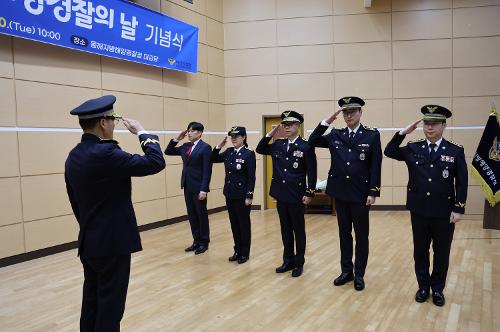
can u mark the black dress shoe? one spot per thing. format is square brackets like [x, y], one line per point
[422, 295]
[297, 272]
[359, 283]
[284, 268]
[200, 250]
[343, 279]
[438, 298]
[242, 259]
[234, 257]
[191, 248]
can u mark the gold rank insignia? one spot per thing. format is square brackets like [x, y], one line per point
[460, 205]
[375, 189]
[431, 109]
[456, 144]
[287, 113]
[149, 140]
[346, 100]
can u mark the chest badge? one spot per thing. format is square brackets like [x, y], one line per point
[295, 165]
[362, 156]
[446, 173]
[449, 159]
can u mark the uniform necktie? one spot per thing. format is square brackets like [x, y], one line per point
[188, 152]
[432, 151]
[351, 136]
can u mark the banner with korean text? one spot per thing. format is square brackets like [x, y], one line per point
[114, 28]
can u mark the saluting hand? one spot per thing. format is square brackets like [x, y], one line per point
[410, 128]
[333, 117]
[274, 131]
[223, 142]
[181, 135]
[132, 125]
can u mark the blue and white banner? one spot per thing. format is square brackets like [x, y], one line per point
[114, 28]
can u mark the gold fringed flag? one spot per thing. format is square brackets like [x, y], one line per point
[486, 163]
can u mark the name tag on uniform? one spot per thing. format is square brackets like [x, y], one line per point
[448, 159]
[240, 161]
[364, 145]
[298, 154]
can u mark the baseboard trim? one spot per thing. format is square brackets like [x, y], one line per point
[27, 256]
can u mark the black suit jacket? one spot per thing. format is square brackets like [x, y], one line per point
[98, 181]
[355, 169]
[197, 170]
[290, 168]
[436, 186]
[240, 171]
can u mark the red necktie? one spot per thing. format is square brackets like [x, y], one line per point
[188, 152]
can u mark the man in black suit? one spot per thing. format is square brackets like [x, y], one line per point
[354, 182]
[98, 181]
[195, 180]
[292, 185]
[437, 191]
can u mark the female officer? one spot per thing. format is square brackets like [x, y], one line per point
[239, 164]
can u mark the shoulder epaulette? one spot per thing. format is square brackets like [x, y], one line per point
[456, 144]
[370, 128]
[246, 147]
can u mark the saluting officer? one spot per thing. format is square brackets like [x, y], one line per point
[98, 181]
[293, 160]
[239, 183]
[437, 191]
[354, 182]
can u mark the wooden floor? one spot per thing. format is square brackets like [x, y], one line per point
[175, 291]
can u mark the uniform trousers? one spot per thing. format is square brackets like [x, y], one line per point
[351, 214]
[104, 292]
[439, 231]
[292, 232]
[239, 217]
